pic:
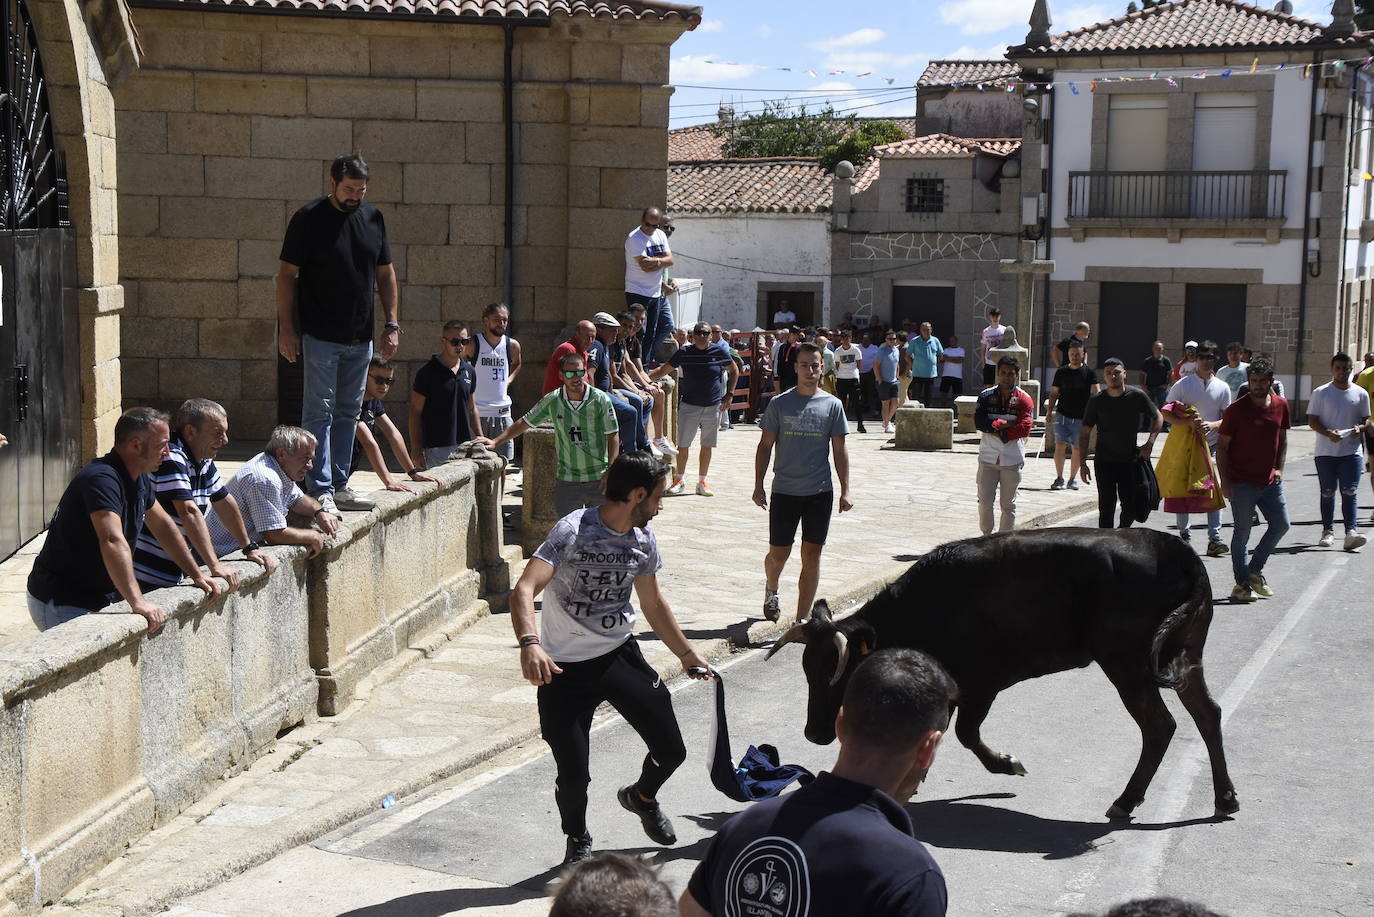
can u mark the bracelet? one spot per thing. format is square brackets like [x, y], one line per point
[393, 326]
[529, 640]
[316, 513]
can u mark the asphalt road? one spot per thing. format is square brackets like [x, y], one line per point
[1290, 674]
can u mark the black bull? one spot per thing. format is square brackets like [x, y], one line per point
[998, 610]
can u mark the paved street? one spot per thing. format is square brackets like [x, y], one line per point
[1288, 673]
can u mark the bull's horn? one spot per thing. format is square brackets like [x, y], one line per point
[841, 644]
[795, 634]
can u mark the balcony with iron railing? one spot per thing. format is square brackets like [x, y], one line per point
[1178, 200]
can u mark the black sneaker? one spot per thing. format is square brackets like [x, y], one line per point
[656, 824]
[579, 849]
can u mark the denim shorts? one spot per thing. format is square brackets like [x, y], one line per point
[1066, 429]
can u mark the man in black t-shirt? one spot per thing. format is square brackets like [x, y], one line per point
[843, 844]
[335, 254]
[1157, 370]
[443, 409]
[1069, 392]
[1060, 354]
[1118, 413]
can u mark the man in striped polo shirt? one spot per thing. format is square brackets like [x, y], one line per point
[704, 396]
[186, 483]
[586, 435]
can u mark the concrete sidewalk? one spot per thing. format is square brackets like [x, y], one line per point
[465, 700]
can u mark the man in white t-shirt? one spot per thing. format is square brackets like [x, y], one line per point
[990, 340]
[583, 652]
[646, 255]
[1338, 413]
[847, 384]
[952, 369]
[1209, 396]
[784, 317]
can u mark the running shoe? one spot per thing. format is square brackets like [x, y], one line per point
[1058, 484]
[1243, 593]
[348, 498]
[772, 608]
[704, 489]
[667, 447]
[654, 450]
[656, 824]
[1217, 548]
[1353, 541]
[1260, 586]
[1327, 540]
[578, 849]
[1073, 484]
[327, 504]
[676, 488]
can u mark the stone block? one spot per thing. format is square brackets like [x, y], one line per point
[542, 59]
[645, 64]
[188, 298]
[584, 186]
[11, 794]
[629, 188]
[253, 419]
[214, 134]
[269, 179]
[542, 266]
[237, 338]
[142, 131]
[441, 265]
[410, 141]
[597, 60]
[302, 138]
[258, 376]
[465, 102]
[486, 142]
[965, 406]
[474, 225]
[426, 58]
[259, 259]
[340, 55]
[654, 108]
[597, 145]
[255, 95]
[541, 102]
[200, 49]
[257, 297]
[179, 259]
[139, 378]
[615, 105]
[138, 215]
[543, 226]
[447, 184]
[100, 339]
[332, 97]
[591, 268]
[481, 57]
[538, 468]
[545, 143]
[156, 90]
[159, 337]
[192, 377]
[425, 224]
[155, 174]
[222, 218]
[420, 304]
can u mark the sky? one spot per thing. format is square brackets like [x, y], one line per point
[746, 51]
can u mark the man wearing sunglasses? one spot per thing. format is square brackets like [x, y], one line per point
[374, 424]
[1202, 390]
[443, 411]
[646, 255]
[704, 396]
[586, 435]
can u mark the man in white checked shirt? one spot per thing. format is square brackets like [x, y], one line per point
[266, 488]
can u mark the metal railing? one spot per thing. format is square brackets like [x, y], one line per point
[1247, 195]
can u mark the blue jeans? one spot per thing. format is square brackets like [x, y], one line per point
[658, 324]
[1213, 518]
[627, 418]
[335, 375]
[49, 614]
[1339, 471]
[1245, 499]
[642, 404]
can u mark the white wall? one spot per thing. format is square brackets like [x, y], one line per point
[1281, 262]
[733, 253]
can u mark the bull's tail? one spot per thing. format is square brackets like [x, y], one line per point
[1169, 661]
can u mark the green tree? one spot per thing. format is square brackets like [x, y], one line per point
[781, 130]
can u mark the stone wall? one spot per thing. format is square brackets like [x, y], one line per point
[106, 732]
[232, 120]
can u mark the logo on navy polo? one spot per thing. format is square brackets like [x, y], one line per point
[768, 879]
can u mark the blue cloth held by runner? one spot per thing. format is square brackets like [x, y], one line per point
[759, 774]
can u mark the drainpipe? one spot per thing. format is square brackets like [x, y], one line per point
[1047, 128]
[1306, 233]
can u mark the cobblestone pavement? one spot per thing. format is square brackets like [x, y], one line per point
[466, 701]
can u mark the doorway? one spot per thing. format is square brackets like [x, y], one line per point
[801, 302]
[918, 304]
[1216, 312]
[1128, 319]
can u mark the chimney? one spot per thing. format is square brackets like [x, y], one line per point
[1342, 19]
[1039, 34]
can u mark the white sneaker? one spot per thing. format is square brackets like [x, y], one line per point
[667, 447]
[654, 450]
[1327, 540]
[327, 504]
[887, 428]
[347, 498]
[1353, 541]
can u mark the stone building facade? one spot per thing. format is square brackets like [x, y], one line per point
[230, 123]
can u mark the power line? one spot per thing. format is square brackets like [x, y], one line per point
[889, 90]
[845, 108]
[744, 89]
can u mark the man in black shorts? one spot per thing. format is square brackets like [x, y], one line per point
[583, 654]
[804, 423]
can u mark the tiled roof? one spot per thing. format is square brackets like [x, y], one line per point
[448, 9]
[945, 146]
[1190, 25]
[950, 72]
[749, 186]
[697, 142]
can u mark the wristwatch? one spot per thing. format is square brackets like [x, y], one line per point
[393, 326]
[252, 546]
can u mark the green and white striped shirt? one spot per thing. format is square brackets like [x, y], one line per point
[579, 432]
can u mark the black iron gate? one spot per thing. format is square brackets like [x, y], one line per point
[40, 408]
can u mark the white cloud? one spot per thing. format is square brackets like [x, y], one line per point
[835, 86]
[695, 69]
[968, 52]
[710, 25]
[764, 31]
[1076, 17]
[852, 40]
[979, 17]
[1312, 10]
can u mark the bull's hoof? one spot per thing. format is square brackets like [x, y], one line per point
[1007, 764]
[1118, 811]
[1227, 804]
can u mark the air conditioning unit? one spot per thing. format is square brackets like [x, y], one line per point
[1331, 70]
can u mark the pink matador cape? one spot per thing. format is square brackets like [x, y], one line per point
[1187, 475]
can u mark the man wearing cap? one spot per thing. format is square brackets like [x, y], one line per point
[1187, 364]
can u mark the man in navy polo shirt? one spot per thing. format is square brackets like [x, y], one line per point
[703, 396]
[87, 559]
[843, 844]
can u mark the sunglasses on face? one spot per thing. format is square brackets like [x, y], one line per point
[574, 373]
[383, 380]
[460, 342]
[701, 332]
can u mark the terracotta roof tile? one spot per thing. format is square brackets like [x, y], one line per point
[1190, 25]
[946, 146]
[749, 186]
[697, 142]
[950, 72]
[447, 9]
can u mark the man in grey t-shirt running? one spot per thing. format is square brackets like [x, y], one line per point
[803, 423]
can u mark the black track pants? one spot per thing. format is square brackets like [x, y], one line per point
[636, 691]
